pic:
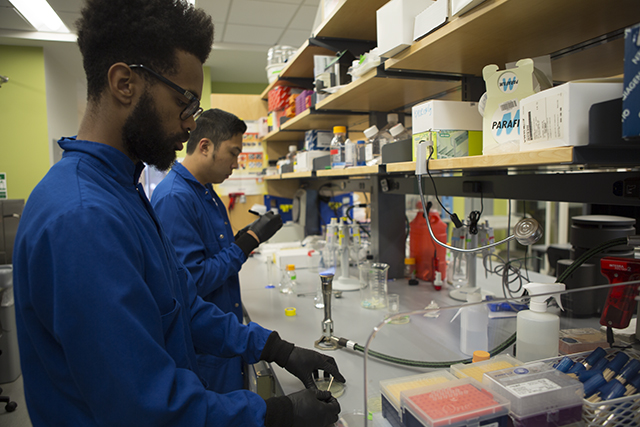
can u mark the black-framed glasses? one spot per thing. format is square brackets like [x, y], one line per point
[193, 109]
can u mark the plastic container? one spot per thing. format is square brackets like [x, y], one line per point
[390, 391]
[370, 133]
[399, 133]
[457, 403]
[373, 294]
[478, 369]
[620, 411]
[540, 396]
[537, 330]
[474, 325]
[429, 255]
[337, 146]
[350, 153]
[289, 279]
[361, 159]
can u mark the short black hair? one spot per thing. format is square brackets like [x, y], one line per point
[216, 125]
[148, 32]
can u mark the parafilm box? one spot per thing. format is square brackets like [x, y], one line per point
[559, 116]
[631, 93]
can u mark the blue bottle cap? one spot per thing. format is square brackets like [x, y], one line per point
[605, 389]
[595, 355]
[586, 375]
[593, 384]
[615, 391]
[565, 364]
[577, 367]
[630, 370]
[617, 363]
[635, 382]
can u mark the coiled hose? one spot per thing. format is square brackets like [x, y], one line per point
[509, 341]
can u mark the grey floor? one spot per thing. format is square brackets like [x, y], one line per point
[19, 417]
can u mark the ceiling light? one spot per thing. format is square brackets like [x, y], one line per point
[40, 14]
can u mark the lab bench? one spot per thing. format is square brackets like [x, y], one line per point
[423, 338]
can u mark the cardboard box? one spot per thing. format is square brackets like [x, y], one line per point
[434, 16]
[317, 140]
[631, 93]
[458, 7]
[304, 160]
[450, 116]
[394, 25]
[559, 116]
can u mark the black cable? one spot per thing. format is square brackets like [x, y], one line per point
[454, 217]
[474, 216]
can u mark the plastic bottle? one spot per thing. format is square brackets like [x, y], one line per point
[337, 146]
[370, 133]
[291, 155]
[350, 154]
[361, 158]
[474, 324]
[429, 255]
[382, 138]
[399, 133]
[288, 280]
[537, 330]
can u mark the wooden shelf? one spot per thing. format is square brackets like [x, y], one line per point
[352, 171]
[282, 136]
[315, 119]
[290, 175]
[350, 20]
[373, 93]
[547, 157]
[501, 31]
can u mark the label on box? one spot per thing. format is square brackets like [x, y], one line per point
[529, 388]
[543, 119]
[505, 123]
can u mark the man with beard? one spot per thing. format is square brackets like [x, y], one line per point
[197, 223]
[108, 317]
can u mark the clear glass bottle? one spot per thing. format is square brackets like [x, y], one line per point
[291, 155]
[337, 146]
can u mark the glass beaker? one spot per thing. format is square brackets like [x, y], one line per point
[373, 292]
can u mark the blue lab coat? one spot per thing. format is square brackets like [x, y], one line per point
[196, 221]
[107, 315]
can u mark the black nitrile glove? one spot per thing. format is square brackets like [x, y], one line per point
[302, 362]
[299, 361]
[241, 232]
[310, 407]
[314, 408]
[266, 226]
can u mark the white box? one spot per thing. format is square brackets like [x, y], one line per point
[559, 116]
[394, 24]
[458, 7]
[445, 115]
[434, 16]
[304, 160]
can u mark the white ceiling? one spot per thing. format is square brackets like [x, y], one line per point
[244, 31]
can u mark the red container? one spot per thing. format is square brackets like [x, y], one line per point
[430, 257]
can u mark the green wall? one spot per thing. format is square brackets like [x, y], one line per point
[238, 88]
[24, 145]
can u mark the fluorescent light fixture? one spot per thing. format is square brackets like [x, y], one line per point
[40, 14]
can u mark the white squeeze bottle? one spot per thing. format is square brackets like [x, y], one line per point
[537, 330]
[474, 323]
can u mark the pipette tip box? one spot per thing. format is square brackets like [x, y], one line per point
[476, 370]
[540, 396]
[391, 389]
[458, 403]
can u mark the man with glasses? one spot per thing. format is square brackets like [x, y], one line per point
[197, 223]
[108, 317]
